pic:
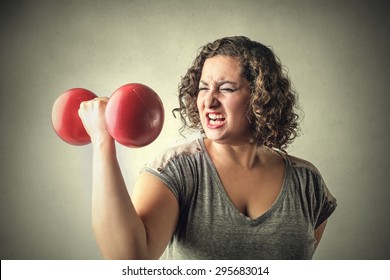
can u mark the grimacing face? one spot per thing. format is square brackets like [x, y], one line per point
[223, 100]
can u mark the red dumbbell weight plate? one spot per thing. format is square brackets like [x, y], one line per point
[134, 115]
[65, 119]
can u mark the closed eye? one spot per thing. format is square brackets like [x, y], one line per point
[228, 89]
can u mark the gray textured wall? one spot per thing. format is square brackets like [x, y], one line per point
[337, 56]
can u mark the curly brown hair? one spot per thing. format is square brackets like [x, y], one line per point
[273, 102]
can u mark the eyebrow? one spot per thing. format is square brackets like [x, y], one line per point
[220, 83]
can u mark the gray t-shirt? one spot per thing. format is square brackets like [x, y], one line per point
[211, 227]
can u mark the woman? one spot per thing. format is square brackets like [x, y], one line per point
[232, 194]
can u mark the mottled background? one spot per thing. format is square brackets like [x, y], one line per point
[336, 53]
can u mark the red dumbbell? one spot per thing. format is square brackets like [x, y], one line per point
[65, 119]
[134, 115]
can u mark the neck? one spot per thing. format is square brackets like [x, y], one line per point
[245, 156]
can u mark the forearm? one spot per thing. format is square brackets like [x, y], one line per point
[119, 230]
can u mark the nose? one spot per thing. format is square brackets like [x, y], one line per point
[211, 100]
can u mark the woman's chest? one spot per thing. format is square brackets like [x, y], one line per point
[216, 229]
[252, 192]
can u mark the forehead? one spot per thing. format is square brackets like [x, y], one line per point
[221, 67]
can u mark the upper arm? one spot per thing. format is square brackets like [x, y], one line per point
[158, 209]
[319, 231]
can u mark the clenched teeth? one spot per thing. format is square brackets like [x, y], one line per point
[215, 122]
[216, 116]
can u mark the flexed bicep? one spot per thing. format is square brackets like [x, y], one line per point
[158, 209]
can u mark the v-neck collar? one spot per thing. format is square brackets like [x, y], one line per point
[242, 217]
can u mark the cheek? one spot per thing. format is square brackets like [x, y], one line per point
[239, 107]
[199, 103]
[241, 111]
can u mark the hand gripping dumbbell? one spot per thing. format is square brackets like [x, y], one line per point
[134, 115]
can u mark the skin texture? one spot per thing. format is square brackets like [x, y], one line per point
[141, 227]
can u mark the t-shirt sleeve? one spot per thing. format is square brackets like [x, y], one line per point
[321, 203]
[177, 171]
[166, 170]
[326, 202]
